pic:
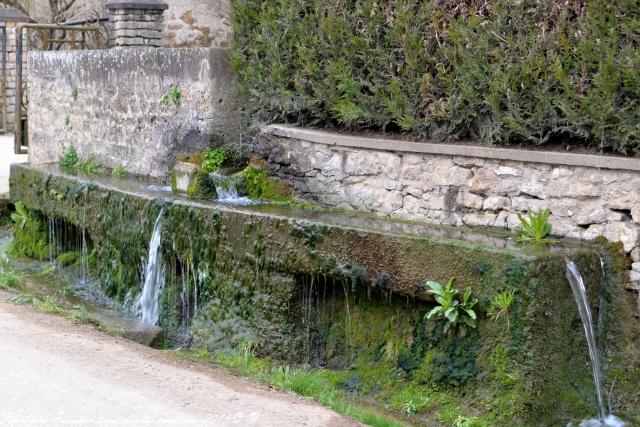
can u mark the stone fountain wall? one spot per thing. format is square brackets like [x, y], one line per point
[117, 105]
[589, 196]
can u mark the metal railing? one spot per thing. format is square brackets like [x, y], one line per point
[3, 85]
[46, 37]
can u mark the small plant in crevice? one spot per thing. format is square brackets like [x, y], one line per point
[118, 172]
[535, 228]
[213, 159]
[69, 158]
[67, 121]
[458, 314]
[501, 306]
[174, 95]
[74, 93]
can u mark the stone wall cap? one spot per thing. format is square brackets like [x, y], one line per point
[384, 144]
[13, 14]
[136, 4]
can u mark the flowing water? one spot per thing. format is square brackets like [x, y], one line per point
[227, 190]
[84, 257]
[147, 304]
[580, 294]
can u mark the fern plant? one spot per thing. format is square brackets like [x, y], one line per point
[458, 313]
[535, 228]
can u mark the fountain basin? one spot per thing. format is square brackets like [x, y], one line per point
[342, 290]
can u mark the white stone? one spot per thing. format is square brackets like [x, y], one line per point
[493, 203]
[185, 174]
[628, 234]
[634, 276]
[525, 204]
[368, 162]
[593, 231]
[469, 200]
[635, 214]
[635, 255]
[483, 219]
[506, 170]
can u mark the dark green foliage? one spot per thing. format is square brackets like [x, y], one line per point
[499, 72]
[455, 364]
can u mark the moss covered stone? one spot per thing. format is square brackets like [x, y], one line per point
[346, 292]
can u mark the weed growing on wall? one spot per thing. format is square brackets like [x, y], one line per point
[499, 72]
[213, 159]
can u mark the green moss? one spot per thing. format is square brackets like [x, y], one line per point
[30, 234]
[262, 187]
[345, 299]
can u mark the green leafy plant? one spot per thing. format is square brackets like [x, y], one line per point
[501, 305]
[457, 313]
[74, 93]
[213, 159]
[67, 120]
[69, 158]
[91, 167]
[118, 172]
[535, 228]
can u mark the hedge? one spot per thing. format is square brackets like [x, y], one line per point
[499, 72]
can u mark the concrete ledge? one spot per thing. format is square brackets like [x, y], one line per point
[383, 144]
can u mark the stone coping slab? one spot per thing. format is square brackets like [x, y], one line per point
[384, 144]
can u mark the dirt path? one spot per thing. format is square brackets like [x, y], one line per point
[54, 372]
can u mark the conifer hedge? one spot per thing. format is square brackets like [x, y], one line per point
[500, 72]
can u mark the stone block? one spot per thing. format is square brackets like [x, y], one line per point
[185, 176]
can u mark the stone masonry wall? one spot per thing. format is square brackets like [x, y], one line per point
[116, 105]
[585, 202]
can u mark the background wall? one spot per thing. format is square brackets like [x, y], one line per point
[117, 105]
[188, 23]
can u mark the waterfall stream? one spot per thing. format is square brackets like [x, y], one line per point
[580, 294]
[227, 190]
[147, 304]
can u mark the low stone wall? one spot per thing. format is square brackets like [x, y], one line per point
[117, 105]
[588, 196]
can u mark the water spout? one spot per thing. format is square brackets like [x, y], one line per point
[226, 190]
[148, 304]
[580, 294]
[84, 258]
